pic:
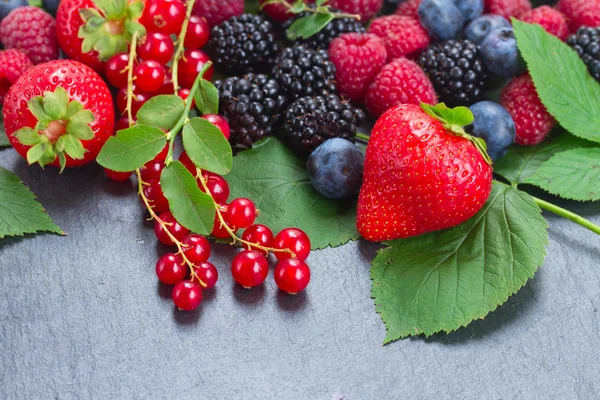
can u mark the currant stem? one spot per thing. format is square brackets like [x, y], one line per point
[567, 214]
[362, 136]
[132, 56]
[180, 45]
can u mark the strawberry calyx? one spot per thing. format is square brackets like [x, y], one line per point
[454, 120]
[62, 125]
[108, 27]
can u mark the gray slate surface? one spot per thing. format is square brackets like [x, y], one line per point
[83, 317]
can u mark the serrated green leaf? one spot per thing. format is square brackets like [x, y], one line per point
[305, 27]
[83, 117]
[88, 13]
[207, 98]
[59, 146]
[73, 108]
[73, 147]
[561, 79]
[206, 146]
[36, 106]
[572, 174]
[131, 148]
[275, 178]
[62, 160]
[457, 116]
[35, 153]
[20, 212]
[133, 27]
[161, 111]
[135, 9]
[55, 103]
[80, 131]
[297, 7]
[26, 136]
[444, 280]
[190, 206]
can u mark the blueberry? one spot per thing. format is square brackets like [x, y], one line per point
[494, 125]
[7, 6]
[470, 9]
[479, 28]
[500, 54]
[336, 169]
[442, 19]
[51, 6]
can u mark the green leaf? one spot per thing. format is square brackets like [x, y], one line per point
[35, 153]
[572, 174]
[562, 81]
[26, 136]
[131, 148]
[35, 3]
[20, 212]
[319, 3]
[73, 147]
[305, 27]
[135, 9]
[55, 103]
[297, 7]
[207, 98]
[161, 111]
[275, 178]
[83, 132]
[83, 117]
[190, 206]
[36, 106]
[457, 116]
[206, 146]
[73, 108]
[444, 280]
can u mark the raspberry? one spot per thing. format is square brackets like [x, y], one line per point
[357, 57]
[12, 65]
[507, 8]
[367, 9]
[31, 30]
[401, 81]
[403, 36]
[586, 42]
[532, 121]
[409, 8]
[218, 11]
[580, 13]
[549, 19]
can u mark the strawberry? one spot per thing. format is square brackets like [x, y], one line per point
[92, 31]
[59, 113]
[422, 173]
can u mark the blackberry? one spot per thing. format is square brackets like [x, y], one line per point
[302, 71]
[586, 42]
[253, 104]
[309, 121]
[456, 71]
[241, 44]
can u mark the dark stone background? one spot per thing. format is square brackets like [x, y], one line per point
[83, 316]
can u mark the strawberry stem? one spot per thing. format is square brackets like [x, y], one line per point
[567, 214]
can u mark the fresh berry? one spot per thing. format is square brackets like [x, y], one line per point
[163, 16]
[139, 98]
[241, 213]
[357, 57]
[253, 105]
[367, 9]
[176, 230]
[586, 42]
[410, 86]
[218, 11]
[456, 71]
[219, 230]
[50, 5]
[13, 64]
[123, 123]
[187, 163]
[309, 121]
[479, 28]
[409, 8]
[207, 273]
[258, 234]
[442, 19]
[218, 187]
[249, 268]
[162, 156]
[420, 176]
[60, 82]
[470, 9]
[116, 70]
[532, 121]
[197, 33]
[403, 36]
[156, 47]
[32, 30]
[149, 75]
[103, 29]
[190, 65]
[278, 12]
[580, 13]
[292, 275]
[187, 295]
[220, 123]
[196, 248]
[151, 170]
[117, 176]
[336, 169]
[549, 19]
[493, 124]
[243, 44]
[500, 54]
[6, 6]
[508, 8]
[292, 239]
[153, 192]
[184, 93]
[170, 269]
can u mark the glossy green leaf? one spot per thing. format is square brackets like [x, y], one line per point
[206, 146]
[161, 111]
[207, 98]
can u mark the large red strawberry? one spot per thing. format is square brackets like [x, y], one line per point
[59, 113]
[422, 173]
[92, 31]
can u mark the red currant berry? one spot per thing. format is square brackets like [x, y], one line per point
[138, 100]
[190, 65]
[151, 171]
[258, 234]
[171, 269]
[249, 268]
[164, 16]
[162, 156]
[197, 33]
[117, 176]
[292, 239]
[184, 93]
[196, 248]
[217, 186]
[187, 295]
[188, 163]
[241, 213]
[219, 230]
[167, 86]
[156, 197]
[292, 275]
[122, 123]
[175, 228]
[158, 47]
[149, 75]
[116, 70]
[207, 273]
[220, 123]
